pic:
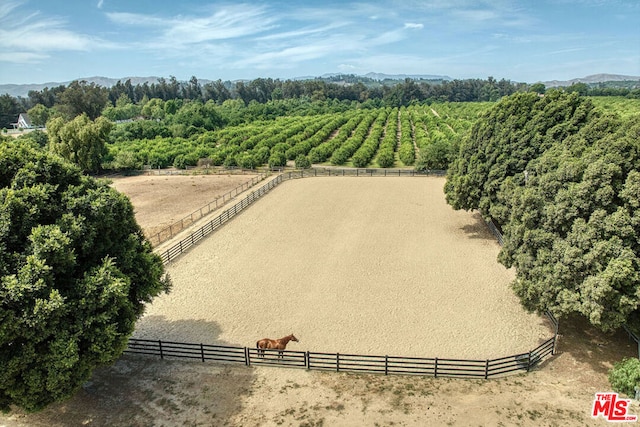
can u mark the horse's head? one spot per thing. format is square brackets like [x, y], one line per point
[293, 338]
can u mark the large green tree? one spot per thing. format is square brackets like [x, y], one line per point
[574, 228]
[503, 141]
[80, 141]
[75, 274]
[10, 109]
[81, 97]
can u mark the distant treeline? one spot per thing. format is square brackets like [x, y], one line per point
[369, 92]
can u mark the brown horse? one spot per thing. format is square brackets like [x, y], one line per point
[280, 344]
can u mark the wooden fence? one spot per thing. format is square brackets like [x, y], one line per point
[183, 245]
[495, 231]
[339, 362]
[168, 232]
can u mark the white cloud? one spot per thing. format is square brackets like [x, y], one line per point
[100, 4]
[30, 38]
[231, 22]
[411, 25]
[288, 56]
[22, 57]
[302, 32]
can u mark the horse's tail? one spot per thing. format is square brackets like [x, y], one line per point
[257, 344]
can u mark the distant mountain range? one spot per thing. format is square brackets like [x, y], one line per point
[592, 79]
[23, 89]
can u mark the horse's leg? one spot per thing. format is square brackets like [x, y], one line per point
[260, 349]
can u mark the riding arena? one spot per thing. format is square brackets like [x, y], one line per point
[351, 265]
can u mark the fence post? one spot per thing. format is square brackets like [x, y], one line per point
[160, 346]
[202, 351]
[529, 361]
[386, 365]
[307, 362]
[486, 369]
[435, 369]
[247, 356]
[337, 362]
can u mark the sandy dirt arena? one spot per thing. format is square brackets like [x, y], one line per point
[144, 391]
[352, 265]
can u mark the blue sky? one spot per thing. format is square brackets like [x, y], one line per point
[528, 40]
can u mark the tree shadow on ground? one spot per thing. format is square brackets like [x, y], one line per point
[479, 228]
[141, 390]
[587, 344]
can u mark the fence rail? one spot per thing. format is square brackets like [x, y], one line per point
[633, 336]
[175, 228]
[176, 250]
[339, 362]
[183, 245]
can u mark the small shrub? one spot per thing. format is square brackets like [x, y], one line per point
[303, 162]
[126, 160]
[246, 160]
[230, 161]
[386, 158]
[180, 162]
[277, 159]
[625, 376]
[406, 154]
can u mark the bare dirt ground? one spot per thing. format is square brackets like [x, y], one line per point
[140, 391]
[162, 200]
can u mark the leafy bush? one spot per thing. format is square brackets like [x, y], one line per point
[277, 159]
[180, 162]
[157, 161]
[407, 154]
[385, 158]
[230, 161]
[262, 155]
[434, 156]
[303, 162]
[246, 161]
[126, 160]
[625, 376]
